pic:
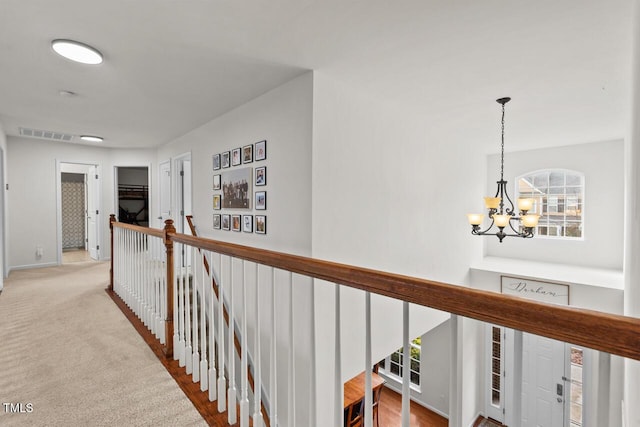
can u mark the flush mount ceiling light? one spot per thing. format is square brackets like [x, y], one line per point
[77, 51]
[500, 213]
[91, 138]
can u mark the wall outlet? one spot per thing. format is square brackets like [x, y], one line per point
[39, 251]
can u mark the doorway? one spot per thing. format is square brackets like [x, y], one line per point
[78, 212]
[132, 183]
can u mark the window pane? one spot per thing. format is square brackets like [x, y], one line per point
[556, 179]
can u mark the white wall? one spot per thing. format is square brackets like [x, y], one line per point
[603, 166]
[390, 191]
[32, 195]
[282, 117]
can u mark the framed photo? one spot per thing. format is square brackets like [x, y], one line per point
[247, 154]
[216, 162]
[549, 292]
[261, 176]
[261, 224]
[235, 222]
[226, 159]
[236, 188]
[216, 182]
[216, 202]
[216, 221]
[235, 157]
[226, 222]
[260, 150]
[261, 200]
[247, 223]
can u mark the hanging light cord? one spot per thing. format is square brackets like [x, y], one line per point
[502, 147]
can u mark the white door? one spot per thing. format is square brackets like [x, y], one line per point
[186, 195]
[93, 214]
[165, 192]
[543, 372]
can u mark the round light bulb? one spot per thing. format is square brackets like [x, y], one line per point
[76, 51]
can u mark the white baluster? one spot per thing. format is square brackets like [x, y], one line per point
[212, 334]
[176, 313]
[257, 383]
[406, 365]
[187, 324]
[292, 367]
[244, 402]
[204, 371]
[222, 383]
[231, 392]
[368, 418]
[195, 362]
[273, 380]
[338, 419]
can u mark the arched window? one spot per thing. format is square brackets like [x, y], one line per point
[559, 200]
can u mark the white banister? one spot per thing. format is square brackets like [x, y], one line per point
[292, 370]
[244, 402]
[195, 360]
[212, 331]
[257, 383]
[339, 388]
[368, 412]
[273, 380]
[222, 383]
[406, 365]
[231, 392]
[204, 281]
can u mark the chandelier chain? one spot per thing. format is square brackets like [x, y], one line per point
[502, 148]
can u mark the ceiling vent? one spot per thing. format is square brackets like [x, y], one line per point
[46, 134]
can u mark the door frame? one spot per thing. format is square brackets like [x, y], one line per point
[149, 186]
[97, 197]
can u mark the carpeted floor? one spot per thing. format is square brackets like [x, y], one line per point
[68, 352]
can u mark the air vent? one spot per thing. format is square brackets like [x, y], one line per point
[46, 134]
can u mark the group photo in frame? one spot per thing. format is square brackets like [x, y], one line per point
[236, 188]
[260, 150]
[261, 200]
[261, 176]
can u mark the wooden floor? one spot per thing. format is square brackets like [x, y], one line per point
[391, 407]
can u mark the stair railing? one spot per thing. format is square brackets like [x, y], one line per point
[615, 334]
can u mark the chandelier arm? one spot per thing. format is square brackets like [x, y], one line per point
[476, 229]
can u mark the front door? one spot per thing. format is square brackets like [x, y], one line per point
[543, 387]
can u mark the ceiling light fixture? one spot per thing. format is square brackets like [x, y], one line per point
[77, 51]
[91, 138]
[500, 215]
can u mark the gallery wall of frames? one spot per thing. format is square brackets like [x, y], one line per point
[239, 189]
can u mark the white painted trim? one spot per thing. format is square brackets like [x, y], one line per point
[28, 266]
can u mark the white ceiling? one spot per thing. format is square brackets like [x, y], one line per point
[173, 65]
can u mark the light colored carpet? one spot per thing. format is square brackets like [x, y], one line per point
[66, 349]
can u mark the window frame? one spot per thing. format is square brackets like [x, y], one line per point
[385, 365]
[560, 200]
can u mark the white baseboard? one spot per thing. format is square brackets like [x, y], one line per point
[29, 266]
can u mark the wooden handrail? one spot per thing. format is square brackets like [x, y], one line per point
[606, 332]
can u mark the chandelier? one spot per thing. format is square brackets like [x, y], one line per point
[502, 213]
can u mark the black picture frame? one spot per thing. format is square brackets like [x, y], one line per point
[260, 150]
[261, 224]
[226, 159]
[261, 200]
[216, 162]
[236, 222]
[216, 221]
[226, 222]
[235, 157]
[247, 223]
[217, 202]
[261, 176]
[247, 154]
[217, 182]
